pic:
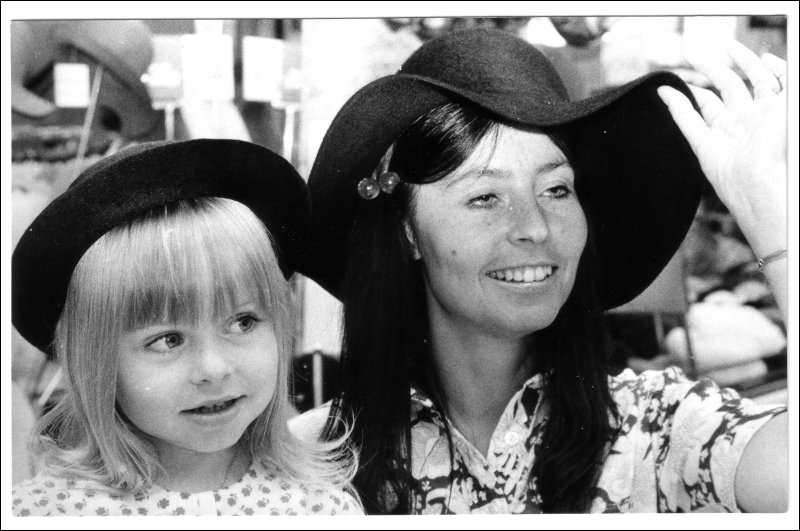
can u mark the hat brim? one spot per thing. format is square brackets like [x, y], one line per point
[638, 180]
[131, 182]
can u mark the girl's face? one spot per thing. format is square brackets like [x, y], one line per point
[197, 387]
[500, 238]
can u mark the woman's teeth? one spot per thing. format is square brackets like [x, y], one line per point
[523, 274]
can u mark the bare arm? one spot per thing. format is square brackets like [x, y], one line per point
[762, 477]
[740, 141]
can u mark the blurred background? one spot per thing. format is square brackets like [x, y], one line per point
[81, 90]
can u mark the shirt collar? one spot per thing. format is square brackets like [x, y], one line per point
[422, 405]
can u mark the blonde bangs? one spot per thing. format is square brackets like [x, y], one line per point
[188, 261]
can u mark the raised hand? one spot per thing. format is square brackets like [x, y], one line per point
[740, 141]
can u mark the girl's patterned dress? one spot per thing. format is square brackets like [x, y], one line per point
[261, 491]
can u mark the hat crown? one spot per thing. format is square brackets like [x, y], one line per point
[488, 62]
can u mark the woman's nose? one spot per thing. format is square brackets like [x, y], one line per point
[528, 222]
[211, 364]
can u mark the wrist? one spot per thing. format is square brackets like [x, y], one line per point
[764, 226]
[770, 258]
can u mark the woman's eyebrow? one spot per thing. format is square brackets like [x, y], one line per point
[552, 165]
[546, 167]
[477, 174]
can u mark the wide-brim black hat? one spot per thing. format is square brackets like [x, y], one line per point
[132, 181]
[638, 180]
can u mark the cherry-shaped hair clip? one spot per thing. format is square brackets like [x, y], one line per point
[369, 187]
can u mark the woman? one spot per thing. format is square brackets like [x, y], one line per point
[476, 225]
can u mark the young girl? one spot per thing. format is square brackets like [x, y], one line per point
[155, 284]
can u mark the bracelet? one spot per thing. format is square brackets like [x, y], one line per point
[770, 258]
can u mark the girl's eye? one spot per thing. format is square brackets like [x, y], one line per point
[243, 324]
[560, 191]
[166, 342]
[483, 201]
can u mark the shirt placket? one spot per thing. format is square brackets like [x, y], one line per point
[501, 471]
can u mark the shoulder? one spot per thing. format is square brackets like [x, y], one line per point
[655, 388]
[332, 501]
[670, 392]
[34, 497]
[676, 408]
[309, 425]
[50, 495]
[647, 381]
[279, 495]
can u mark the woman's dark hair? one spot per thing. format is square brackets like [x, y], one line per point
[386, 348]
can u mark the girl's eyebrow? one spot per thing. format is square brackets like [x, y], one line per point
[248, 305]
[152, 328]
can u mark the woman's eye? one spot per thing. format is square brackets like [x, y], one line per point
[483, 201]
[243, 324]
[166, 342]
[558, 192]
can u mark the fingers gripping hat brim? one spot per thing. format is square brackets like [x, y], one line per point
[129, 183]
[638, 181]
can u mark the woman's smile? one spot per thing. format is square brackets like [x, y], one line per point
[523, 274]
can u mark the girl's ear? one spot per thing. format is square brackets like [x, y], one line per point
[412, 240]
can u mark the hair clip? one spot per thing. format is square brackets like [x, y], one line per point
[369, 187]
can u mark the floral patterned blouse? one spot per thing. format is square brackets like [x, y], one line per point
[678, 449]
[261, 491]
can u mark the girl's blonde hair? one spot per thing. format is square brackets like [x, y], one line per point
[182, 261]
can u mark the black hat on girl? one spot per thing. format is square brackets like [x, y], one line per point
[131, 182]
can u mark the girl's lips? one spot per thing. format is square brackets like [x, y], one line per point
[213, 407]
[215, 416]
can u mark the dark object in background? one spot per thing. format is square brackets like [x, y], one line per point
[55, 143]
[302, 392]
[581, 31]
[577, 31]
[767, 21]
[432, 27]
[633, 335]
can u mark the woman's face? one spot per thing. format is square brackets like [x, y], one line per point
[500, 238]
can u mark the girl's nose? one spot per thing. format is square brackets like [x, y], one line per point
[211, 364]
